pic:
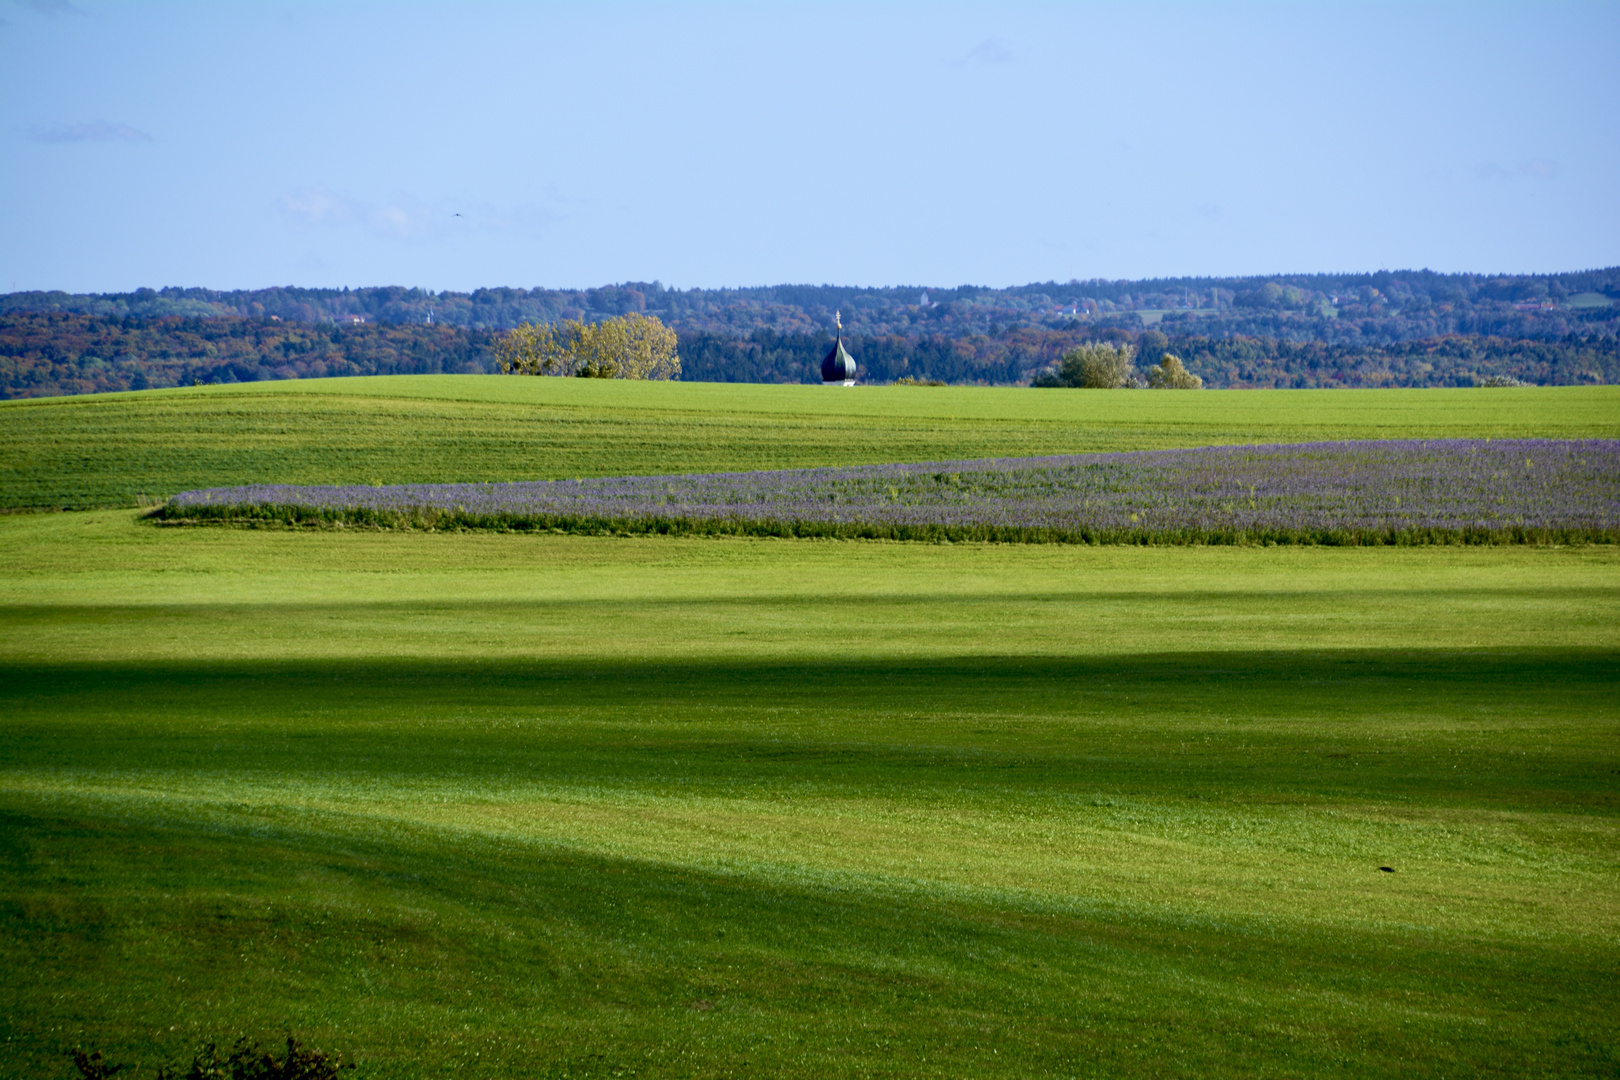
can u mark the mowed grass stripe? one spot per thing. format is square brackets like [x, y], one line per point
[106, 586]
[1275, 804]
[422, 953]
[1361, 409]
[571, 806]
[684, 807]
[361, 851]
[119, 449]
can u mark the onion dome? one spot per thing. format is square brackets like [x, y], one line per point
[839, 366]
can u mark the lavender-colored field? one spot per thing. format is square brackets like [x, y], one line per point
[1313, 489]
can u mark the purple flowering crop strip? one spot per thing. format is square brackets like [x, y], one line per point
[1301, 490]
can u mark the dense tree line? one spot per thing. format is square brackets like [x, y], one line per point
[1018, 356]
[769, 356]
[53, 354]
[1450, 360]
[46, 355]
[1345, 309]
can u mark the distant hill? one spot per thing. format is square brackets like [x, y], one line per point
[1378, 308]
[1403, 328]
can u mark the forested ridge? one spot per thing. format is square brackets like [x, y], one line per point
[1238, 361]
[1407, 328]
[1374, 308]
[52, 354]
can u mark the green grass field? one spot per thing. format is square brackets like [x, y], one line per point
[507, 805]
[120, 449]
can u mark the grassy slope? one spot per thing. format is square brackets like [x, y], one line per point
[662, 807]
[669, 807]
[118, 449]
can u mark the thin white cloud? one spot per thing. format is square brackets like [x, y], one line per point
[1539, 169]
[527, 220]
[53, 9]
[94, 131]
[404, 217]
[1533, 169]
[311, 207]
[401, 218]
[988, 51]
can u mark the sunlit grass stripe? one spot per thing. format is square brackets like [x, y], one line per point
[139, 448]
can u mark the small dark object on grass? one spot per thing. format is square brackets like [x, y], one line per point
[1387, 869]
[94, 1066]
[247, 1061]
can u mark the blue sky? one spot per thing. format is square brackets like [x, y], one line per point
[242, 145]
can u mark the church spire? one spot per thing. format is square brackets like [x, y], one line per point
[839, 366]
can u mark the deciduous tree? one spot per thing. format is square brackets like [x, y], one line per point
[1170, 374]
[632, 346]
[1094, 366]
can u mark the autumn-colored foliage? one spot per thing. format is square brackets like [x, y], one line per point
[43, 355]
[632, 346]
[1170, 374]
[50, 354]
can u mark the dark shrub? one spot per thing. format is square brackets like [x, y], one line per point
[246, 1061]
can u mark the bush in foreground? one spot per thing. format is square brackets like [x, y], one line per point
[246, 1061]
